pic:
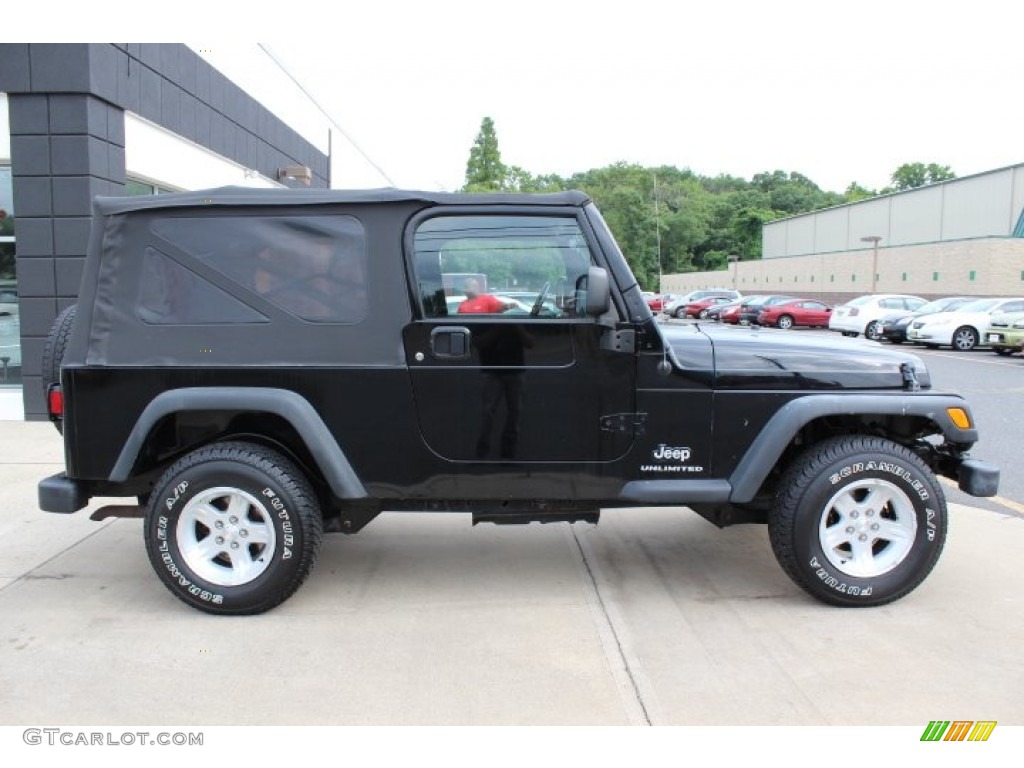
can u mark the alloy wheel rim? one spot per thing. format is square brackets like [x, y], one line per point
[226, 536]
[867, 528]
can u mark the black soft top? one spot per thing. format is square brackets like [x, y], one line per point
[234, 196]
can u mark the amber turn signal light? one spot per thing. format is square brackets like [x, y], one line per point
[959, 417]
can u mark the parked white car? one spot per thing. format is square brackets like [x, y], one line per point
[861, 315]
[963, 328]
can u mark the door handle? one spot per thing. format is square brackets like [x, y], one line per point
[450, 343]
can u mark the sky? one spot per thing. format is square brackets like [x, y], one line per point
[837, 91]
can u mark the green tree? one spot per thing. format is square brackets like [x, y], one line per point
[485, 172]
[913, 175]
[856, 192]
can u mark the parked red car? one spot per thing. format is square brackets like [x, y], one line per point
[731, 313]
[789, 314]
[699, 308]
[658, 302]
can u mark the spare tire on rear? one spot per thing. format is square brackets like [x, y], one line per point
[53, 351]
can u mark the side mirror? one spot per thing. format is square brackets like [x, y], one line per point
[599, 296]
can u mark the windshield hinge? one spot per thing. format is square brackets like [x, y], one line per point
[910, 382]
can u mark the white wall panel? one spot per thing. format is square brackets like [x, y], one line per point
[916, 216]
[156, 154]
[831, 230]
[868, 218]
[978, 206]
[773, 240]
[1017, 200]
[800, 236]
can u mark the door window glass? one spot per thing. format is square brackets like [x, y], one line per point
[506, 266]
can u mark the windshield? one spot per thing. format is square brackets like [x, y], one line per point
[860, 300]
[941, 305]
[979, 305]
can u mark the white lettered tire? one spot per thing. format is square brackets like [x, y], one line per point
[233, 528]
[858, 521]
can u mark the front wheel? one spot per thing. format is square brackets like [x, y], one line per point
[785, 322]
[871, 331]
[858, 521]
[965, 339]
[233, 528]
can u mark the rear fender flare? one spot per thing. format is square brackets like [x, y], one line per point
[290, 406]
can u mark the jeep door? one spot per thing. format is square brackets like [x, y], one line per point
[505, 364]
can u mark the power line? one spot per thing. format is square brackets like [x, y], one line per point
[326, 114]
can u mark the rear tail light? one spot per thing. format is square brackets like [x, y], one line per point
[55, 403]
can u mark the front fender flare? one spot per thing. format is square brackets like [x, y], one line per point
[290, 406]
[780, 430]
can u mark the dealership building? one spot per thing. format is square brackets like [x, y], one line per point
[958, 237]
[79, 120]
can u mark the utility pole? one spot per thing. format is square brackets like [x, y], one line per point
[657, 227]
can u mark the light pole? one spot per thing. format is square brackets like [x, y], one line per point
[657, 228]
[873, 239]
[733, 259]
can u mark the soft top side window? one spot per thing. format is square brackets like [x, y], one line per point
[313, 267]
[514, 266]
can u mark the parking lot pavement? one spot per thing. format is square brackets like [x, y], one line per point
[654, 616]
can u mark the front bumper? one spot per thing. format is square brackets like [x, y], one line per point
[934, 335]
[1000, 338]
[978, 478]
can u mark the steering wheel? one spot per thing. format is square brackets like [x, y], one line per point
[539, 303]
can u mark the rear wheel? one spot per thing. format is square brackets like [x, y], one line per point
[965, 338]
[703, 315]
[858, 521]
[681, 313]
[233, 528]
[785, 322]
[850, 334]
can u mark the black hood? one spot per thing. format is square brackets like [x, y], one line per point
[776, 359]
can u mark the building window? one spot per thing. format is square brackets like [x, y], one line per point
[971, 277]
[139, 187]
[10, 319]
[935, 276]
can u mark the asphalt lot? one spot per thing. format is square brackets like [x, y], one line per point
[654, 616]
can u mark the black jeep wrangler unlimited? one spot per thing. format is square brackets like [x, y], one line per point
[259, 367]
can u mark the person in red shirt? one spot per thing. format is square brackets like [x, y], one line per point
[477, 303]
